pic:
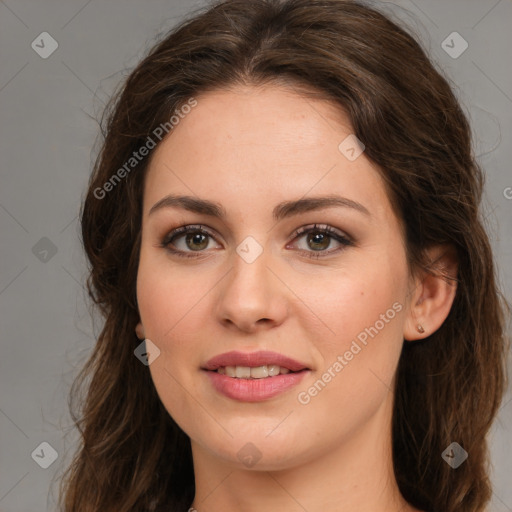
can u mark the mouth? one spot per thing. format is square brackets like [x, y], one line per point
[257, 365]
[253, 377]
[255, 372]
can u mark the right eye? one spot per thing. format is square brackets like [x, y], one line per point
[196, 239]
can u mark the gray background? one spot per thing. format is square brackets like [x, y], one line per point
[48, 139]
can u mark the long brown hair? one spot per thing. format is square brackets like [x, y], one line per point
[132, 455]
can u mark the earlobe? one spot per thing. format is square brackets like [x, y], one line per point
[433, 295]
[139, 330]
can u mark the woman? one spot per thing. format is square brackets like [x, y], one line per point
[286, 210]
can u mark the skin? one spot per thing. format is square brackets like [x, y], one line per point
[248, 149]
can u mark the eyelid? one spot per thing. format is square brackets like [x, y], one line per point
[340, 236]
[343, 238]
[297, 232]
[185, 229]
[321, 227]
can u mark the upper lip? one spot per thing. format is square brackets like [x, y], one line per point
[254, 359]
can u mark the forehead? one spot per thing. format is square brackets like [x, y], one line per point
[257, 118]
[247, 146]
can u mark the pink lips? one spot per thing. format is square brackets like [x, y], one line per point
[254, 359]
[254, 390]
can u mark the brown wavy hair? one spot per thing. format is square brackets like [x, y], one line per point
[132, 455]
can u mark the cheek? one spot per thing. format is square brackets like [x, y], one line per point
[360, 359]
[169, 303]
[349, 301]
[363, 308]
[163, 296]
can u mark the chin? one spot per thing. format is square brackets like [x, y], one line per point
[259, 452]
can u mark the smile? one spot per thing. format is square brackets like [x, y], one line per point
[254, 376]
[257, 372]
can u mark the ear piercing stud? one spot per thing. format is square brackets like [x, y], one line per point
[139, 331]
[420, 329]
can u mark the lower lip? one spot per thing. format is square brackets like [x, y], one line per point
[254, 390]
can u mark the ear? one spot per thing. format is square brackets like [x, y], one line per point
[432, 293]
[139, 330]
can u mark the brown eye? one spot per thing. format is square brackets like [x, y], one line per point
[319, 238]
[318, 241]
[196, 240]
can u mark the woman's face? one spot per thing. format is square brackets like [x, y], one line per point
[334, 302]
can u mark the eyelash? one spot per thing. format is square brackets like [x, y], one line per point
[324, 229]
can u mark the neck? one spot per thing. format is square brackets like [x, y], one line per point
[358, 476]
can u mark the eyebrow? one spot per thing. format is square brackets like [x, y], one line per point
[281, 211]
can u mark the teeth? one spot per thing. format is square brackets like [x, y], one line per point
[273, 370]
[242, 372]
[258, 372]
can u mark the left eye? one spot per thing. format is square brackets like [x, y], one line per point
[318, 238]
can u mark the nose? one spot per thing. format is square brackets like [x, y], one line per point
[252, 297]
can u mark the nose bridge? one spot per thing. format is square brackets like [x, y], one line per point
[250, 270]
[250, 292]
